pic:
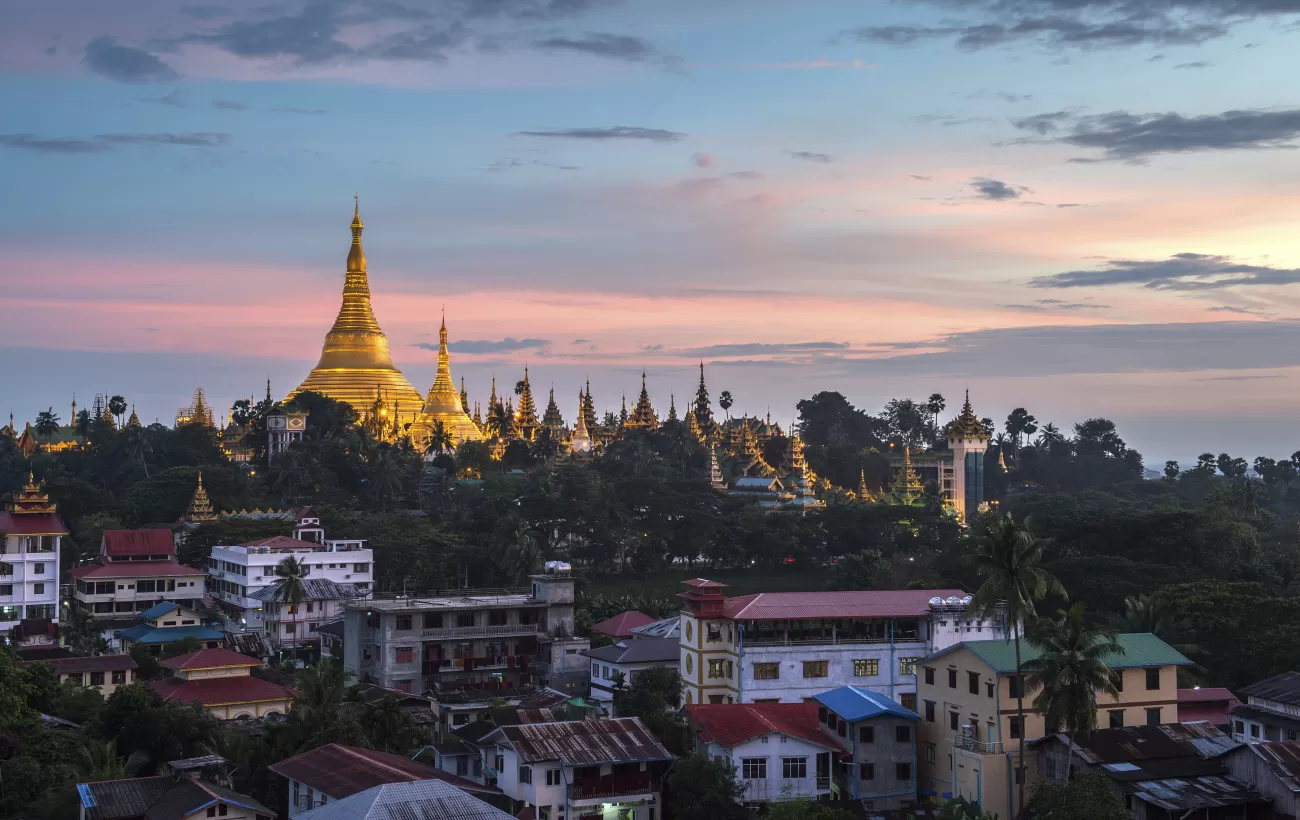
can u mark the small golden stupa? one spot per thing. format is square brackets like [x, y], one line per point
[444, 403]
[355, 363]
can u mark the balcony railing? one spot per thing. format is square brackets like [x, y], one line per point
[454, 665]
[984, 747]
[766, 791]
[504, 630]
[612, 786]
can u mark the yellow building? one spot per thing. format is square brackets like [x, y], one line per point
[355, 364]
[970, 731]
[222, 681]
[102, 672]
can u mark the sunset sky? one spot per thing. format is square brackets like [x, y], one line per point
[1082, 207]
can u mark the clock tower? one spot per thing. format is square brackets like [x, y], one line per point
[283, 429]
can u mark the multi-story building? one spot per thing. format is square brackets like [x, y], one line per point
[970, 730]
[611, 768]
[30, 537]
[167, 623]
[102, 672]
[293, 627]
[236, 573]
[1271, 711]
[621, 662]
[222, 681]
[789, 646]
[135, 570]
[482, 638]
[879, 738]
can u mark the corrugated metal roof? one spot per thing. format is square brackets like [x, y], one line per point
[1140, 649]
[209, 659]
[666, 628]
[1165, 741]
[120, 543]
[1282, 758]
[135, 569]
[30, 524]
[876, 603]
[158, 610]
[1205, 694]
[585, 743]
[113, 799]
[638, 650]
[1185, 794]
[144, 633]
[342, 771]
[421, 800]
[95, 663]
[1284, 688]
[218, 691]
[731, 723]
[313, 589]
[853, 704]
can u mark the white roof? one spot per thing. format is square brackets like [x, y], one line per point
[420, 800]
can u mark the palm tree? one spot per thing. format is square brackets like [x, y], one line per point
[138, 447]
[934, 406]
[523, 558]
[117, 406]
[440, 439]
[1147, 613]
[1009, 558]
[47, 424]
[291, 590]
[725, 401]
[100, 761]
[1071, 669]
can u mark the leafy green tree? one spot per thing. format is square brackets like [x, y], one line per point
[960, 808]
[42, 681]
[15, 691]
[701, 789]
[654, 697]
[47, 424]
[440, 439]
[117, 406]
[100, 761]
[860, 570]
[806, 810]
[1088, 796]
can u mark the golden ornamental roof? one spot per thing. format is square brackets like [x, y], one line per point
[443, 401]
[966, 425]
[30, 500]
[200, 509]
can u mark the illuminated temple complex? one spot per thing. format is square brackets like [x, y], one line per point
[443, 404]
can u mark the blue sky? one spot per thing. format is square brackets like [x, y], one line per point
[1083, 207]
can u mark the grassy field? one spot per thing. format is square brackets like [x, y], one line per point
[738, 581]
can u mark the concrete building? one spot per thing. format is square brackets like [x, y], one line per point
[102, 672]
[880, 738]
[971, 733]
[779, 750]
[31, 536]
[294, 627]
[1271, 768]
[135, 570]
[612, 769]
[222, 681]
[480, 638]
[1271, 711]
[623, 660]
[789, 646]
[166, 623]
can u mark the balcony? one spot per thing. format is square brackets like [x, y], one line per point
[764, 791]
[983, 747]
[502, 631]
[456, 665]
[610, 789]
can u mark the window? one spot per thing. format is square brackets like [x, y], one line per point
[866, 771]
[903, 771]
[6, 589]
[146, 586]
[222, 808]
[989, 687]
[595, 670]
[929, 676]
[465, 619]
[953, 720]
[1254, 730]
[907, 666]
[38, 568]
[841, 728]
[753, 768]
[1013, 686]
[1117, 719]
[714, 632]
[903, 734]
[866, 734]
[405, 654]
[96, 678]
[212, 811]
[606, 673]
[432, 620]
[1153, 679]
[1238, 727]
[931, 753]
[815, 669]
[402, 622]
[1117, 677]
[973, 682]
[717, 668]
[952, 678]
[296, 797]
[552, 777]
[868, 668]
[499, 763]
[794, 768]
[360, 567]
[1013, 728]
[1153, 716]
[525, 774]
[119, 677]
[38, 589]
[767, 671]
[929, 711]
[290, 628]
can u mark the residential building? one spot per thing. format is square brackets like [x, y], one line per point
[461, 751]
[1160, 772]
[1271, 768]
[779, 750]
[31, 536]
[102, 672]
[236, 573]
[479, 638]
[166, 623]
[335, 772]
[293, 627]
[423, 799]
[185, 793]
[135, 570]
[1271, 711]
[454, 708]
[621, 625]
[1212, 704]
[789, 646]
[970, 730]
[222, 682]
[613, 768]
[880, 737]
[331, 638]
[620, 662]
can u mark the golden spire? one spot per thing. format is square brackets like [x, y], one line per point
[134, 421]
[443, 403]
[966, 425]
[911, 482]
[581, 441]
[200, 510]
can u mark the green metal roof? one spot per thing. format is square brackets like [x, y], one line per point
[1140, 649]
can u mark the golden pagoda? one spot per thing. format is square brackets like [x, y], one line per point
[31, 500]
[200, 510]
[443, 403]
[355, 361]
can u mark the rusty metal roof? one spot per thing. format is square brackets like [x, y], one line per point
[1166, 741]
[1185, 794]
[1282, 758]
[584, 743]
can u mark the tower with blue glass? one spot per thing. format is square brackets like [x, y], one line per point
[969, 440]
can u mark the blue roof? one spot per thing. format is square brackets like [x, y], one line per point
[158, 610]
[143, 633]
[854, 704]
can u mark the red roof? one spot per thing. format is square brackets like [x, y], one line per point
[874, 603]
[731, 723]
[210, 659]
[134, 569]
[219, 691]
[622, 624]
[1205, 693]
[121, 543]
[282, 542]
[92, 663]
[342, 771]
[31, 524]
[703, 583]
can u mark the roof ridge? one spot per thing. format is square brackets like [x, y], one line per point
[356, 753]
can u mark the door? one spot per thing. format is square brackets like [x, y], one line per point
[823, 771]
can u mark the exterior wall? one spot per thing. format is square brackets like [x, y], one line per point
[773, 748]
[238, 572]
[304, 798]
[230, 711]
[892, 783]
[556, 799]
[108, 598]
[111, 679]
[891, 679]
[1284, 724]
[35, 566]
[284, 629]
[1246, 766]
[602, 673]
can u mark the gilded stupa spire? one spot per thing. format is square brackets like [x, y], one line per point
[526, 417]
[443, 403]
[581, 441]
[200, 510]
[31, 500]
[134, 421]
[967, 424]
[464, 395]
[910, 481]
[702, 411]
[672, 408]
[492, 399]
[643, 415]
[553, 419]
[589, 408]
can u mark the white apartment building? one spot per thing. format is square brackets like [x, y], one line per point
[623, 660]
[787, 647]
[30, 537]
[236, 573]
[135, 571]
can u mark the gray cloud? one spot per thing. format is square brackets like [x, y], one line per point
[921, 177]
[702, 159]
[229, 105]
[311, 111]
[126, 64]
[581, 342]
[757, 348]
[812, 156]
[1231, 309]
[205, 12]
[996, 189]
[171, 99]
[1120, 135]
[102, 143]
[611, 46]
[1046, 305]
[948, 120]
[489, 346]
[618, 132]
[1197, 64]
[1184, 271]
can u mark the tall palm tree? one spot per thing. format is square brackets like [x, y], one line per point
[138, 447]
[1071, 669]
[47, 424]
[291, 590]
[1009, 558]
[117, 406]
[440, 439]
[725, 401]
